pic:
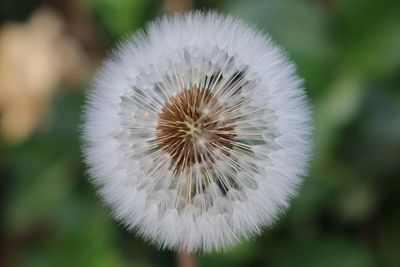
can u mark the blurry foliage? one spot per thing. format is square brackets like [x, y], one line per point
[347, 211]
[119, 17]
[35, 57]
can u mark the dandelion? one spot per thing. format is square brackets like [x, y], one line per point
[196, 132]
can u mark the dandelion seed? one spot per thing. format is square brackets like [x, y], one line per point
[197, 132]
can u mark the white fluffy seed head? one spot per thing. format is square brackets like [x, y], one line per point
[197, 132]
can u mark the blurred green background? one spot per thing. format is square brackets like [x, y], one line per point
[347, 212]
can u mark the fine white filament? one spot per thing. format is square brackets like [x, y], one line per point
[196, 132]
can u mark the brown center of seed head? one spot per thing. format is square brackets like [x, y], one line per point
[192, 125]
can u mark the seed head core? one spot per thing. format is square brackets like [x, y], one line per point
[192, 126]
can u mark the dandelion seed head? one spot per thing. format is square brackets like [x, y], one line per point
[197, 132]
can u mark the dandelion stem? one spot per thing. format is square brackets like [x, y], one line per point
[186, 259]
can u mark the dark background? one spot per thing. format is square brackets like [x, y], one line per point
[347, 212]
